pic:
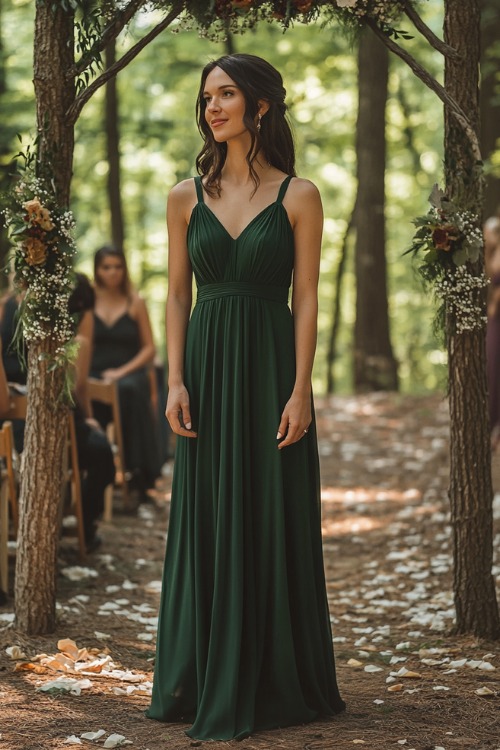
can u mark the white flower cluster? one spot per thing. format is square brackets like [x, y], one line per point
[381, 10]
[45, 308]
[467, 222]
[462, 294]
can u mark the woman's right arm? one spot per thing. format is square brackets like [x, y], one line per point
[179, 299]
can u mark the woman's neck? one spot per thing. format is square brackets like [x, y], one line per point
[235, 171]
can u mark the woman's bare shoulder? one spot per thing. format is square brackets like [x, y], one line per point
[183, 193]
[303, 189]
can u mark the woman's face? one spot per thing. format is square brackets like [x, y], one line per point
[111, 272]
[225, 106]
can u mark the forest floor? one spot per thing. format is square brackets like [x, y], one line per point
[407, 681]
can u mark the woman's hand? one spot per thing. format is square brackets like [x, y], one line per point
[295, 420]
[178, 413]
[112, 373]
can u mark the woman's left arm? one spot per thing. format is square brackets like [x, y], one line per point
[146, 353]
[307, 218]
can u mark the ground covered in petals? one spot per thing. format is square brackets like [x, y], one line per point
[407, 681]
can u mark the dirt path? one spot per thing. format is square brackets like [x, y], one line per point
[388, 562]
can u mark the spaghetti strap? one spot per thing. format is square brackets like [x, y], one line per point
[199, 189]
[283, 188]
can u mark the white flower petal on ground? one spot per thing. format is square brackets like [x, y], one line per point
[73, 740]
[93, 736]
[79, 573]
[116, 740]
[372, 668]
[67, 685]
[484, 691]
[129, 585]
[102, 636]
[15, 653]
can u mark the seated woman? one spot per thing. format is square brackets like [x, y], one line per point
[95, 456]
[122, 349]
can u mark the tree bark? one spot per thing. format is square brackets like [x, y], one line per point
[113, 153]
[5, 148]
[375, 367]
[490, 100]
[45, 431]
[470, 472]
[41, 473]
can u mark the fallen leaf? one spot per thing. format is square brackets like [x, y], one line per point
[403, 672]
[28, 666]
[395, 688]
[68, 647]
[354, 663]
[15, 652]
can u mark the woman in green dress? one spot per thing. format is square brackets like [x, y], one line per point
[244, 636]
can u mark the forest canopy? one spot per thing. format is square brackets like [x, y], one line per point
[159, 142]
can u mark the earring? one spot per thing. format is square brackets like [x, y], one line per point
[259, 122]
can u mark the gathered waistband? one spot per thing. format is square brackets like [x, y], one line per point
[242, 289]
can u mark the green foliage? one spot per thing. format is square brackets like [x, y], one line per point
[159, 142]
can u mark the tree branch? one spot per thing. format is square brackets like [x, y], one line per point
[111, 32]
[74, 111]
[426, 32]
[435, 86]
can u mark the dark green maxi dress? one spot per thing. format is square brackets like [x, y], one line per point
[244, 637]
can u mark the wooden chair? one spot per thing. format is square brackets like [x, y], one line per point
[18, 409]
[106, 392]
[8, 482]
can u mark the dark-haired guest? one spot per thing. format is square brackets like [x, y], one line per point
[123, 349]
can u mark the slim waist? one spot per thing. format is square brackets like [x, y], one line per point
[242, 289]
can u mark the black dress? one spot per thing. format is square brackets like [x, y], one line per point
[114, 345]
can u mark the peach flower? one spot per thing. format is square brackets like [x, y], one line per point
[36, 251]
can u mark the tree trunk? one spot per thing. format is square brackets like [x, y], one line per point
[41, 472]
[331, 352]
[490, 100]
[5, 163]
[374, 365]
[45, 432]
[113, 152]
[470, 472]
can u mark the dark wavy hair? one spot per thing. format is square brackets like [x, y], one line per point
[257, 80]
[105, 252]
[82, 297]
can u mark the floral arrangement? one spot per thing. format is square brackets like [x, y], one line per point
[238, 15]
[449, 242]
[44, 249]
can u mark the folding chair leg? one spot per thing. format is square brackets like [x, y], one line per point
[4, 536]
[108, 503]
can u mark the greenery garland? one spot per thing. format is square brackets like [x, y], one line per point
[44, 251]
[449, 242]
[217, 17]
